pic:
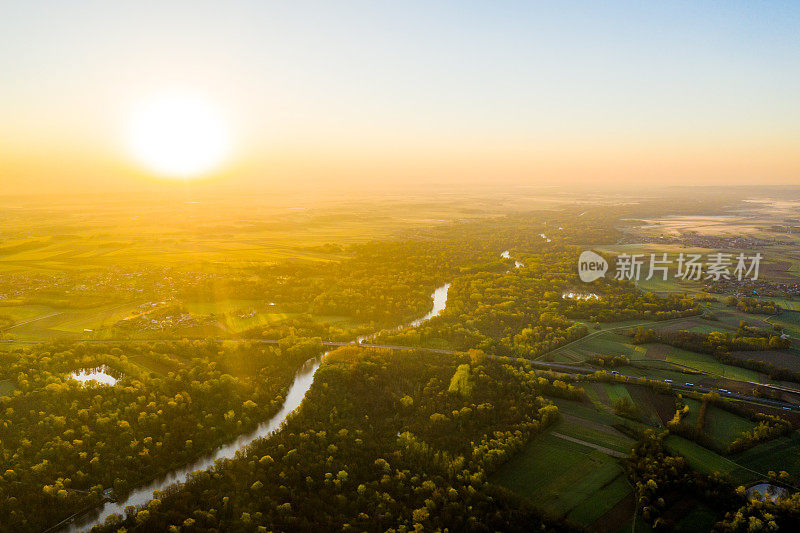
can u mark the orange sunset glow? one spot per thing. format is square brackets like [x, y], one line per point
[399, 266]
[527, 96]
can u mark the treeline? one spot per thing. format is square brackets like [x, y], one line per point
[609, 361]
[720, 344]
[767, 427]
[762, 515]
[621, 300]
[663, 482]
[747, 304]
[745, 339]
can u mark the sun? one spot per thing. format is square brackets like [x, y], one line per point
[179, 136]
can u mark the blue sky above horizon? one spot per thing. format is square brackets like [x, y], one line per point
[518, 91]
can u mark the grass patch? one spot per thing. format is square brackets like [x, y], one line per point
[724, 427]
[558, 475]
[600, 502]
[778, 454]
[592, 432]
[152, 364]
[609, 343]
[707, 363]
[6, 387]
[701, 459]
[690, 418]
[588, 412]
[543, 462]
[790, 322]
[571, 479]
[591, 393]
[700, 518]
[616, 392]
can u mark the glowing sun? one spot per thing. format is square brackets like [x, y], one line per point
[179, 136]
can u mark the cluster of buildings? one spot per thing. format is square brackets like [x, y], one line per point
[749, 287]
[111, 283]
[158, 316]
[691, 240]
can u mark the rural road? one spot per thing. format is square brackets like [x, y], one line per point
[559, 367]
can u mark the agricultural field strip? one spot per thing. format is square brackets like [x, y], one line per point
[724, 426]
[732, 462]
[582, 474]
[592, 431]
[607, 451]
[34, 320]
[601, 331]
[598, 504]
[708, 372]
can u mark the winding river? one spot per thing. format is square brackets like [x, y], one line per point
[297, 391]
[439, 298]
[507, 255]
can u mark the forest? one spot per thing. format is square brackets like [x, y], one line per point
[385, 439]
[415, 455]
[62, 443]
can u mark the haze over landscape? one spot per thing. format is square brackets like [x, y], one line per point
[353, 93]
[399, 266]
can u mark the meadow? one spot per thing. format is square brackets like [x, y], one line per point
[71, 269]
[566, 478]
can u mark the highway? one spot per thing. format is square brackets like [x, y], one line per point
[558, 367]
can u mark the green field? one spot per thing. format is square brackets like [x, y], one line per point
[587, 412]
[690, 418]
[778, 454]
[568, 471]
[591, 393]
[617, 392]
[594, 433]
[152, 364]
[705, 328]
[612, 343]
[743, 468]
[565, 479]
[725, 427]
[233, 314]
[6, 387]
[700, 518]
[791, 305]
[707, 363]
[601, 501]
[699, 458]
[37, 322]
[605, 343]
[789, 321]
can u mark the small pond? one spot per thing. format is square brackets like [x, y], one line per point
[767, 491]
[580, 296]
[100, 375]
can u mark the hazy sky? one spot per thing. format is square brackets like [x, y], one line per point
[330, 92]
